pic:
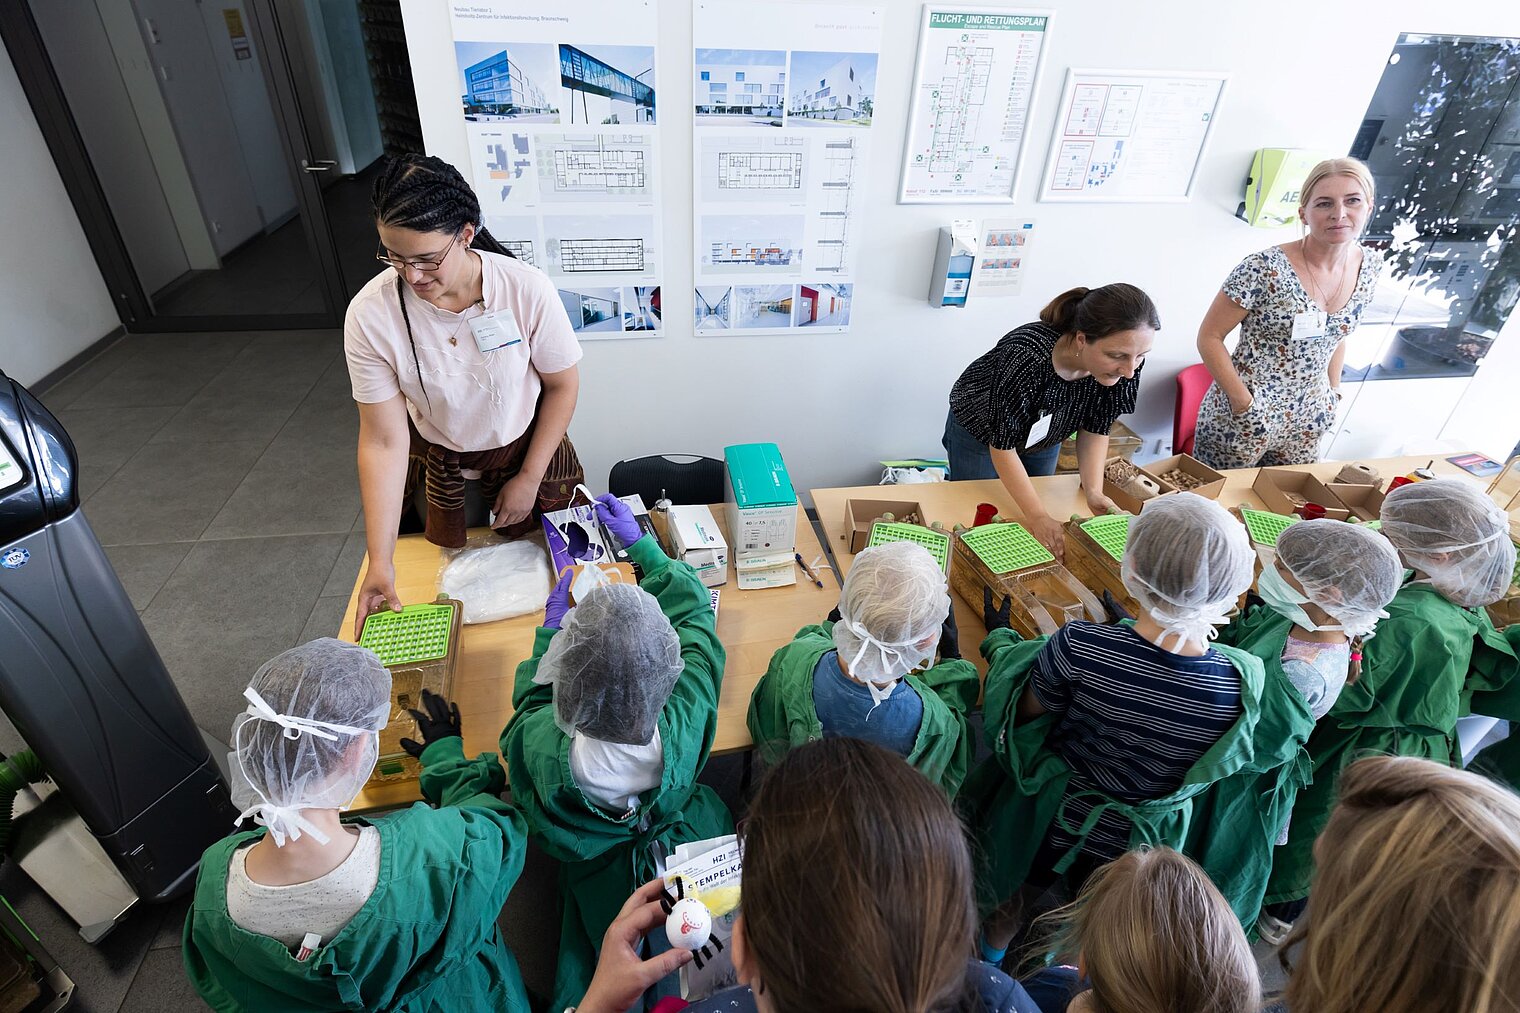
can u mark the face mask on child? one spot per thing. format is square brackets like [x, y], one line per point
[1285, 601]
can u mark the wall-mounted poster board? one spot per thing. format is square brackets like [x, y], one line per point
[1131, 136]
[973, 87]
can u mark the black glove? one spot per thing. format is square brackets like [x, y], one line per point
[996, 618]
[1115, 610]
[949, 638]
[440, 722]
[1252, 600]
[834, 616]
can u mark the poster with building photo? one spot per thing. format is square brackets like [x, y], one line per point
[561, 117]
[780, 150]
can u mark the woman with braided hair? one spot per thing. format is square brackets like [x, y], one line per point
[464, 367]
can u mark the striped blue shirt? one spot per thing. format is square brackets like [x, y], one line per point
[1132, 719]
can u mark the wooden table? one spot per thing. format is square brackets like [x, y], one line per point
[751, 624]
[953, 503]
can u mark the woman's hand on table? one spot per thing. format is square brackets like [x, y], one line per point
[515, 501]
[377, 591]
[622, 975]
[1099, 504]
[1048, 531]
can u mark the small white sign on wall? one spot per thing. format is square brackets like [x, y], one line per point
[1131, 136]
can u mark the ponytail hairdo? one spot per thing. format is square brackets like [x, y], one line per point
[1099, 312]
[424, 193]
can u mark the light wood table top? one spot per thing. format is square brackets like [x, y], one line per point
[953, 503]
[751, 625]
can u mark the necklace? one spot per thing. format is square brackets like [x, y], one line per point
[1318, 293]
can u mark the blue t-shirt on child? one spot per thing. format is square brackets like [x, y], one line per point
[845, 709]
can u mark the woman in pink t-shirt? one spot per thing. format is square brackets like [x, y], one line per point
[463, 364]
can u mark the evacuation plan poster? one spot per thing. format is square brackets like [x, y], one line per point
[1131, 135]
[972, 91]
[561, 114]
[783, 100]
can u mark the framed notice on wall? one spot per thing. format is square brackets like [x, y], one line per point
[973, 87]
[1131, 135]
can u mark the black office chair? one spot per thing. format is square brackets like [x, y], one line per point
[691, 479]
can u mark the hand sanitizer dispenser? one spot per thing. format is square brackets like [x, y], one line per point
[953, 262]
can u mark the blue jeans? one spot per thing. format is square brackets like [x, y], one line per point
[970, 459]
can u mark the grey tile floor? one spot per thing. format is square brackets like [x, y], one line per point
[218, 472]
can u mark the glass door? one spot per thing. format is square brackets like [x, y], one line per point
[177, 129]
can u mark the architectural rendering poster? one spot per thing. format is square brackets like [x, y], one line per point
[784, 96]
[972, 91]
[561, 112]
[1131, 135]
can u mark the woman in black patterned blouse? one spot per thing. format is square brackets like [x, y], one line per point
[1076, 369]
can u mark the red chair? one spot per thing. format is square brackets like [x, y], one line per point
[1192, 384]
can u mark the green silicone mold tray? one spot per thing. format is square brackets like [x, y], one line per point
[1264, 527]
[1111, 531]
[1006, 547]
[416, 633]
[937, 542]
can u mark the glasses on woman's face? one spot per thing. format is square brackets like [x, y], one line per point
[427, 262]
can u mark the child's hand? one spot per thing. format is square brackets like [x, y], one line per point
[949, 637]
[440, 721]
[998, 618]
[618, 519]
[559, 602]
[622, 976]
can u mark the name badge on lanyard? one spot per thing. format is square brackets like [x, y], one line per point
[495, 330]
[1309, 324]
[1038, 431]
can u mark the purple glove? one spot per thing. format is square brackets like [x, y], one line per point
[559, 602]
[617, 518]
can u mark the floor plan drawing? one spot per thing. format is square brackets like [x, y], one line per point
[595, 167]
[956, 108]
[751, 170]
[581, 256]
[506, 159]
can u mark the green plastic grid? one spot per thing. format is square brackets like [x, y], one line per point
[1111, 531]
[937, 542]
[416, 633]
[1006, 547]
[1265, 527]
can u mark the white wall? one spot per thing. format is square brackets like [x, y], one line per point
[1302, 77]
[53, 304]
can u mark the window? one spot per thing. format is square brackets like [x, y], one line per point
[1442, 138]
[852, 73]
[775, 89]
[738, 75]
[707, 75]
[752, 87]
[821, 82]
[718, 87]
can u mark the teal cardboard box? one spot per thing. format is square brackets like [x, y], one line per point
[762, 505]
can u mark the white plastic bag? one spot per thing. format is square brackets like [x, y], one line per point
[498, 580]
[911, 476]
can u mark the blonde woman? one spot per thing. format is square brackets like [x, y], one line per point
[1416, 908]
[1295, 304]
[1151, 935]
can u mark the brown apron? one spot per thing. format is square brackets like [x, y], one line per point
[441, 470]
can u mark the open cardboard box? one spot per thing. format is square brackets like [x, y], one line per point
[1364, 501]
[1125, 500]
[860, 514]
[1273, 485]
[1213, 481]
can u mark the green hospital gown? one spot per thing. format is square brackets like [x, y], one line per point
[782, 715]
[425, 941]
[604, 856]
[1430, 663]
[1227, 814]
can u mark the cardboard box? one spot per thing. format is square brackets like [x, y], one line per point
[1273, 486]
[625, 575]
[753, 577]
[1125, 500]
[860, 514]
[1364, 501]
[696, 540]
[1213, 481]
[762, 505]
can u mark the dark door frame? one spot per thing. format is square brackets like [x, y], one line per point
[45, 94]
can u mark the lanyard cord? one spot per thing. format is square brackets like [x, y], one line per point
[401, 298]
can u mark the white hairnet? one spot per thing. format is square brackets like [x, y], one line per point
[1450, 531]
[612, 665]
[1345, 569]
[309, 738]
[1186, 562]
[894, 597]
